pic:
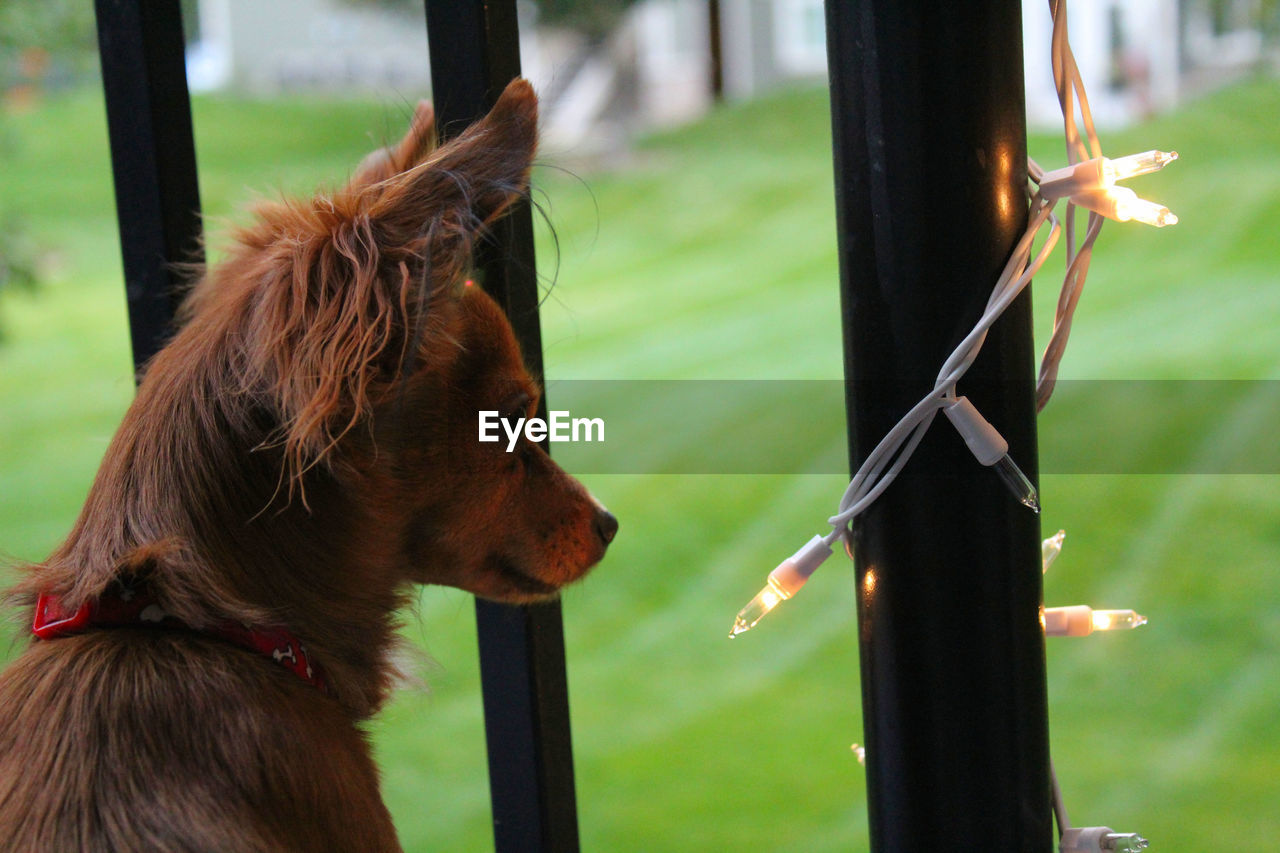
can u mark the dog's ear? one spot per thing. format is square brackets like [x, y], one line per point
[442, 203]
[409, 152]
[344, 284]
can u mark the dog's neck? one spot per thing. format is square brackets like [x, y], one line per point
[195, 505]
[134, 606]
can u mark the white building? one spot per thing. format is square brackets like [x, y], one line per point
[307, 45]
[1136, 56]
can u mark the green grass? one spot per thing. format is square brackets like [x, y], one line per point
[713, 257]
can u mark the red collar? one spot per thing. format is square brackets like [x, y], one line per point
[132, 607]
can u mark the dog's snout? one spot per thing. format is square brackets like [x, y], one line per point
[606, 525]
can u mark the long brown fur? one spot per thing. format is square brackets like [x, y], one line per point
[300, 454]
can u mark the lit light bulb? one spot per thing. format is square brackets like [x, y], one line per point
[1129, 207]
[1114, 620]
[1135, 164]
[783, 582]
[1122, 204]
[1091, 184]
[1050, 549]
[1081, 620]
[766, 599]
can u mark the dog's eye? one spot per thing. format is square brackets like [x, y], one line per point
[516, 407]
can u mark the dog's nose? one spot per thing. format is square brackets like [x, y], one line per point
[606, 525]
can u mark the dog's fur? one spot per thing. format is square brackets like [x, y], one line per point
[302, 452]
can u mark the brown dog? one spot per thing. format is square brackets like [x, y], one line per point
[302, 452]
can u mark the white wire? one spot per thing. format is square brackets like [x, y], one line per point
[1072, 286]
[1067, 74]
[1067, 80]
[899, 443]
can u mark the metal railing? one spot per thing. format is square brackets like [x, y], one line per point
[928, 126]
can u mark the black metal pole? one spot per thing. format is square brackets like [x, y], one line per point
[475, 51]
[153, 159]
[930, 159]
[715, 50]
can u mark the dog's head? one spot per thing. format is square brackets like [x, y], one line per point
[355, 331]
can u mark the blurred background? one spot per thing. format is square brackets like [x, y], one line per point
[695, 223]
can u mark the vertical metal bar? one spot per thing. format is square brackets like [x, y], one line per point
[930, 161]
[153, 158]
[475, 51]
[715, 48]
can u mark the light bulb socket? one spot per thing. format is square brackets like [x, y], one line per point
[793, 572]
[982, 439]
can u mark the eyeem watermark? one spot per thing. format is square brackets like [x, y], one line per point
[560, 427]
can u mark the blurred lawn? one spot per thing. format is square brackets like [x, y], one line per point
[712, 256]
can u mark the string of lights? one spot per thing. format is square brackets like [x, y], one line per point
[1081, 620]
[1089, 182]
